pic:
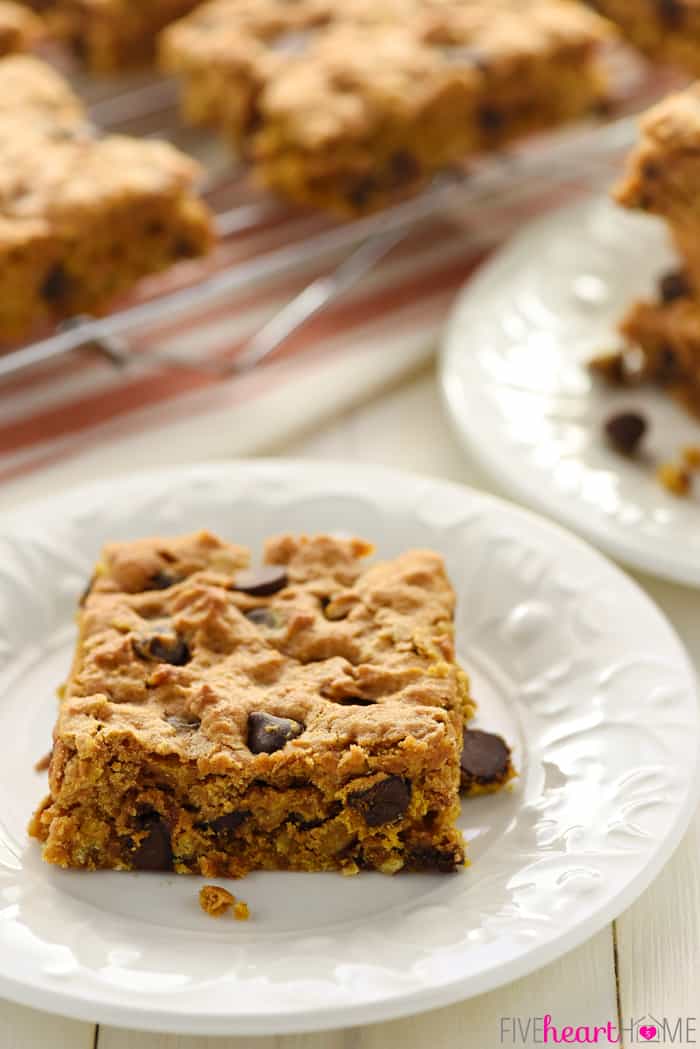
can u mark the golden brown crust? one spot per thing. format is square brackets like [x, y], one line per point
[81, 217]
[667, 30]
[20, 28]
[312, 719]
[347, 105]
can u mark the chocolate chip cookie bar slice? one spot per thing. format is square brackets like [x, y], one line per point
[110, 35]
[667, 30]
[218, 719]
[663, 173]
[82, 217]
[20, 28]
[347, 106]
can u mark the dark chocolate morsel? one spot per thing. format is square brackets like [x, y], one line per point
[267, 733]
[163, 648]
[385, 802]
[491, 119]
[261, 582]
[671, 13]
[625, 430]
[154, 851]
[224, 826]
[56, 284]
[674, 285]
[430, 858]
[162, 581]
[485, 757]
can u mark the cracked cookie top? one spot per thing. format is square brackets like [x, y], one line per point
[186, 650]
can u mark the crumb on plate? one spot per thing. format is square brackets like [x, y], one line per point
[675, 478]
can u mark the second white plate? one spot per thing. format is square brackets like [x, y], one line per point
[521, 399]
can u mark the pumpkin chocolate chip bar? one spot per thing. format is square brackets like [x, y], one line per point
[666, 30]
[20, 28]
[347, 106]
[110, 35]
[308, 715]
[82, 217]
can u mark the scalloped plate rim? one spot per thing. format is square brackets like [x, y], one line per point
[148, 1018]
[544, 500]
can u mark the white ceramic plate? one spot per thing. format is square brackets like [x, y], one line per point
[521, 399]
[570, 661]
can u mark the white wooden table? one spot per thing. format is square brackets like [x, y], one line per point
[648, 962]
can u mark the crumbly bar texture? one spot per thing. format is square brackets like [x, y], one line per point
[667, 30]
[82, 218]
[666, 332]
[308, 714]
[663, 173]
[20, 28]
[346, 106]
[110, 35]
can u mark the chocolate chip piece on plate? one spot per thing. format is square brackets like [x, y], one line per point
[485, 757]
[385, 802]
[267, 733]
[261, 582]
[625, 430]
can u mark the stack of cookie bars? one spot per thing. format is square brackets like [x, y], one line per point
[663, 178]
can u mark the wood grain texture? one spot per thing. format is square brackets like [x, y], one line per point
[22, 1028]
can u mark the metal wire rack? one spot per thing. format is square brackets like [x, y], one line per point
[148, 107]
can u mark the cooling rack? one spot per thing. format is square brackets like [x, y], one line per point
[486, 197]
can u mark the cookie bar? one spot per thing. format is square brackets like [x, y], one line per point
[347, 106]
[666, 332]
[82, 217]
[663, 173]
[112, 34]
[20, 28]
[667, 30]
[217, 719]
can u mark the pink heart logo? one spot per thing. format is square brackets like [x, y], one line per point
[648, 1031]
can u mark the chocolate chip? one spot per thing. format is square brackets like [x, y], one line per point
[671, 13]
[429, 858]
[266, 617]
[261, 582]
[674, 285]
[154, 852]
[162, 581]
[666, 368]
[491, 119]
[163, 648]
[267, 733]
[404, 168]
[625, 430]
[225, 826]
[183, 724]
[354, 701]
[485, 758]
[56, 284]
[385, 802]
